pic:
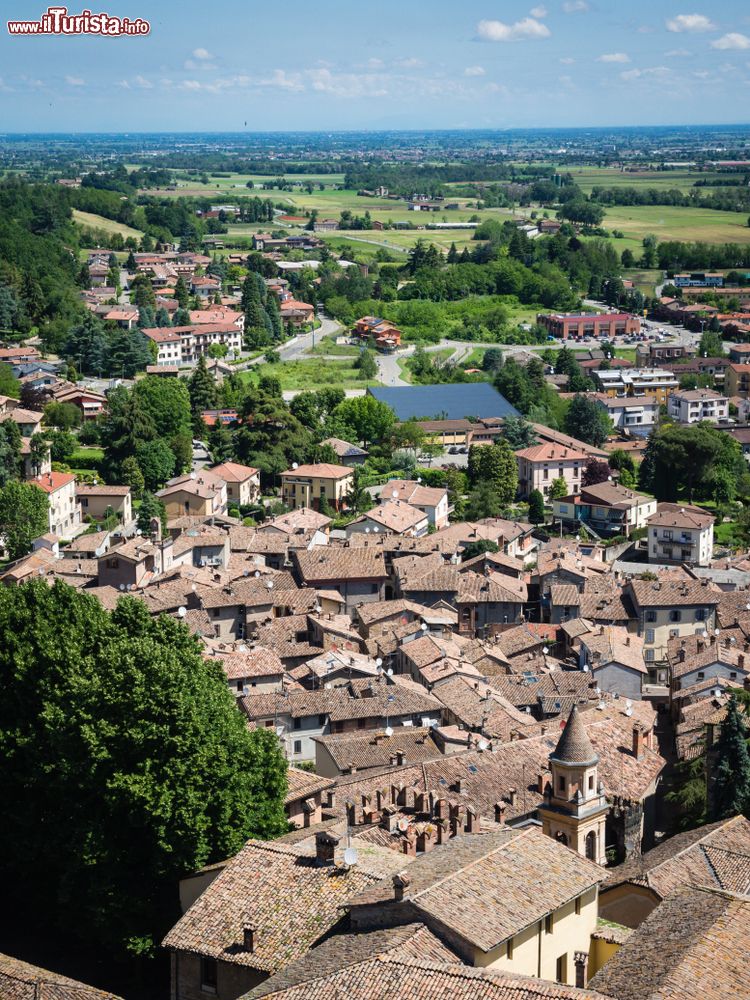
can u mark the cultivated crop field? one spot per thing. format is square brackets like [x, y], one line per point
[92, 221]
[668, 222]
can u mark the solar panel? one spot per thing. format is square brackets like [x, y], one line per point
[447, 402]
[472, 768]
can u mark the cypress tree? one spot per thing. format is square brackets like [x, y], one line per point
[731, 784]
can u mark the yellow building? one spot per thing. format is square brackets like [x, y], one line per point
[514, 900]
[199, 494]
[305, 485]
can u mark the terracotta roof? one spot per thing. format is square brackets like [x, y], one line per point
[302, 784]
[256, 662]
[693, 946]
[674, 515]
[395, 515]
[329, 564]
[551, 453]
[615, 645]
[574, 746]
[520, 639]
[479, 706]
[512, 877]
[716, 856]
[51, 481]
[412, 492]
[301, 519]
[319, 470]
[232, 472]
[405, 962]
[376, 749]
[22, 981]
[279, 889]
[84, 489]
[671, 593]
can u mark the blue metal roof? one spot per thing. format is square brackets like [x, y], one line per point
[448, 402]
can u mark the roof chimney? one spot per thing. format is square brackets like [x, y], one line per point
[638, 742]
[400, 757]
[400, 883]
[325, 847]
[249, 937]
[512, 796]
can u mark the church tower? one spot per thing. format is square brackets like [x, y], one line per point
[575, 807]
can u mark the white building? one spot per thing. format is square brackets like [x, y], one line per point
[681, 534]
[635, 414]
[64, 509]
[689, 406]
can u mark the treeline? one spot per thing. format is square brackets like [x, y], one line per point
[673, 255]
[407, 178]
[728, 199]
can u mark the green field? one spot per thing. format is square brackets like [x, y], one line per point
[668, 222]
[588, 177]
[328, 345]
[313, 374]
[92, 221]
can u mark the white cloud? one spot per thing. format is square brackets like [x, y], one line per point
[575, 6]
[677, 54]
[734, 40]
[411, 62]
[474, 71]
[202, 54]
[75, 81]
[614, 57]
[498, 31]
[690, 22]
[285, 81]
[540, 11]
[567, 60]
[636, 74]
[374, 63]
[143, 83]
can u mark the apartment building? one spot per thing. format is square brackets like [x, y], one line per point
[64, 509]
[541, 464]
[636, 382]
[689, 406]
[306, 485]
[681, 534]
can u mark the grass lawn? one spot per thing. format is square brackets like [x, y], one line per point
[313, 374]
[728, 534]
[328, 345]
[645, 280]
[668, 222]
[436, 356]
[92, 221]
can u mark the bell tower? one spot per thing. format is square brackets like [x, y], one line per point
[575, 807]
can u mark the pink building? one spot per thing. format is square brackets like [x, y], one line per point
[539, 465]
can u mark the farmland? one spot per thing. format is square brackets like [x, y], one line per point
[92, 221]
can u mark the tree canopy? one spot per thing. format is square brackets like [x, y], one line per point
[125, 765]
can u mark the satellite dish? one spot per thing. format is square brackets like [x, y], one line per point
[138, 531]
[295, 465]
[598, 690]
[122, 586]
[376, 529]
[628, 712]
[350, 856]
[717, 631]
[256, 574]
[483, 744]
[704, 634]
[389, 672]
[388, 732]
[528, 709]
[378, 662]
[394, 494]
[545, 650]
[243, 648]
[585, 668]
[182, 611]
[98, 551]
[403, 824]
[628, 703]
[269, 584]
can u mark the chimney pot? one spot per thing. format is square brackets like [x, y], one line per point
[249, 937]
[499, 812]
[638, 742]
[325, 847]
[512, 796]
[401, 882]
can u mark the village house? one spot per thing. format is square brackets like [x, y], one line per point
[296, 313]
[29, 423]
[633, 415]
[665, 609]
[97, 500]
[382, 334]
[680, 533]
[689, 406]
[347, 453]
[541, 464]
[134, 563]
[197, 494]
[546, 933]
[247, 670]
[22, 981]
[242, 482]
[168, 345]
[430, 500]
[614, 658]
[391, 517]
[359, 576]
[607, 508]
[636, 382]
[64, 515]
[307, 485]
[697, 663]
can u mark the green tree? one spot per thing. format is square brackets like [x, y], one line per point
[63, 416]
[519, 433]
[494, 464]
[687, 457]
[157, 463]
[132, 476]
[558, 489]
[119, 732]
[688, 794]
[358, 498]
[711, 344]
[369, 418]
[367, 365]
[483, 502]
[730, 787]
[536, 507]
[23, 516]
[478, 548]
[587, 421]
[181, 293]
[9, 384]
[202, 392]
[151, 508]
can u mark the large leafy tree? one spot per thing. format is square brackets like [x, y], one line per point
[730, 792]
[23, 516]
[125, 765]
[587, 421]
[10, 451]
[494, 464]
[369, 418]
[688, 457]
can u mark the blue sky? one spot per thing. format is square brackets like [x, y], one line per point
[342, 64]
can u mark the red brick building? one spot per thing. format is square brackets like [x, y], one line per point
[578, 325]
